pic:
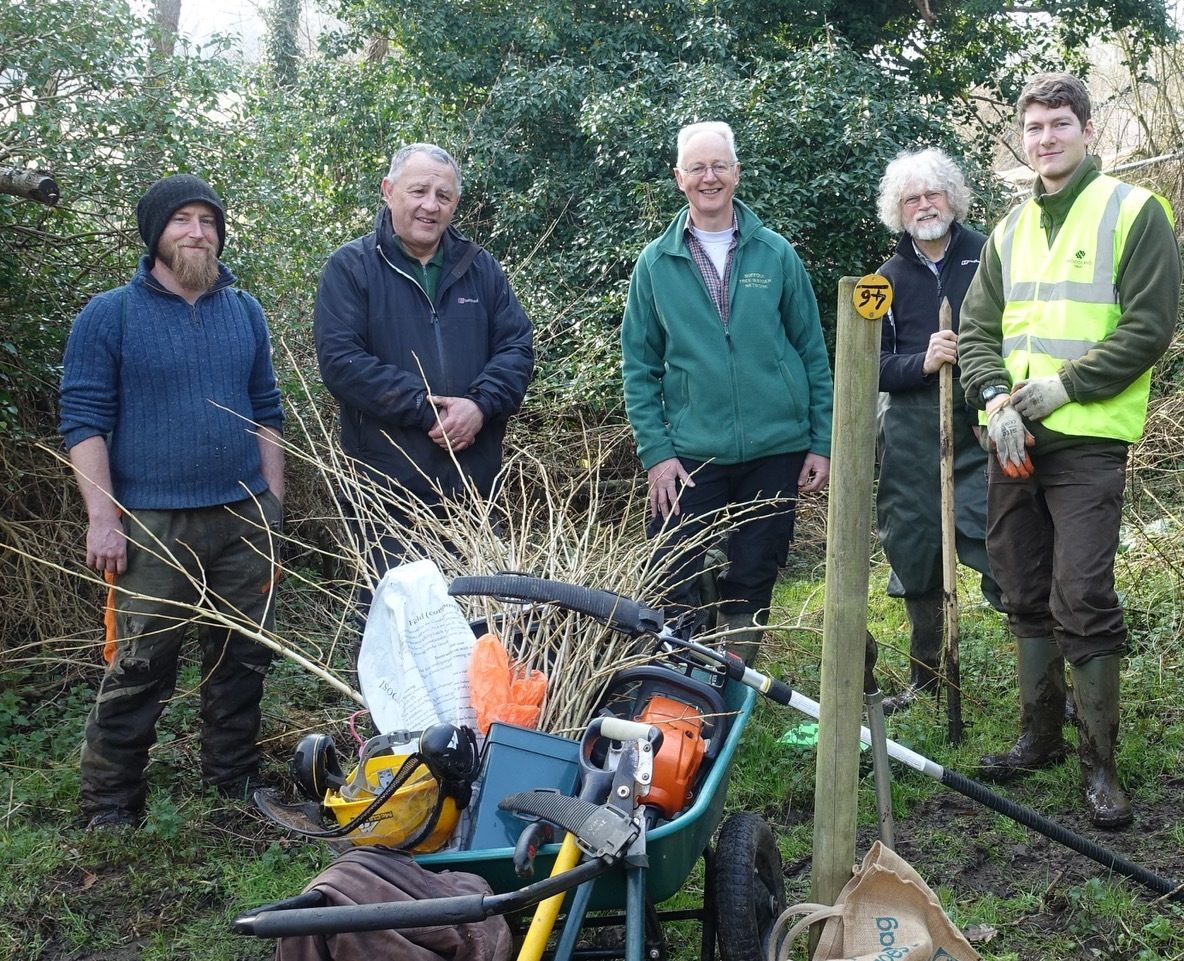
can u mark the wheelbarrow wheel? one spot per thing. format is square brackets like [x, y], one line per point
[748, 885]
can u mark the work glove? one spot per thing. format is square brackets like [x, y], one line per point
[1038, 398]
[1011, 441]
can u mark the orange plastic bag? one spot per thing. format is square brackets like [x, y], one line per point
[502, 691]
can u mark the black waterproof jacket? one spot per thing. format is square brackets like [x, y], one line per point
[383, 347]
[916, 297]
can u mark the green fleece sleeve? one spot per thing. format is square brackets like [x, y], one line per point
[980, 328]
[643, 348]
[1149, 294]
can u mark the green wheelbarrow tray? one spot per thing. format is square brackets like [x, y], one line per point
[673, 847]
[743, 884]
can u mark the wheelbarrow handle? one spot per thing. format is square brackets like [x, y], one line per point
[465, 909]
[431, 912]
[615, 611]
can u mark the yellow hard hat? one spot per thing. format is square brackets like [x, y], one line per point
[425, 790]
[402, 818]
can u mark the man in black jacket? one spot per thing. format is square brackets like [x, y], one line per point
[424, 345]
[923, 198]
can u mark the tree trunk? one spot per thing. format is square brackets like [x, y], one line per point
[168, 15]
[376, 49]
[283, 24]
[37, 185]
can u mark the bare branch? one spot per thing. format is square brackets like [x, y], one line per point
[36, 185]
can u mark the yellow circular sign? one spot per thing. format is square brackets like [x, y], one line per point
[873, 296]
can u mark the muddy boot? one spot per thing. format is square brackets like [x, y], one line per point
[925, 633]
[744, 639]
[1042, 713]
[1096, 684]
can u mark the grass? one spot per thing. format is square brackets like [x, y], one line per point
[1033, 897]
[169, 890]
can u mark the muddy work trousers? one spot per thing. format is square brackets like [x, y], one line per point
[216, 558]
[1052, 539]
[908, 496]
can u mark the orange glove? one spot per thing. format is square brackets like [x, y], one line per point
[501, 691]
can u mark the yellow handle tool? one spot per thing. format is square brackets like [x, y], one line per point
[547, 911]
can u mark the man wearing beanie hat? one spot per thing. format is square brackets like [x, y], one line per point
[171, 414]
[167, 196]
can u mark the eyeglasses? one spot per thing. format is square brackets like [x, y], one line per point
[698, 170]
[931, 198]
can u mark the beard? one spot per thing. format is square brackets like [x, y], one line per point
[194, 271]
[932, 229]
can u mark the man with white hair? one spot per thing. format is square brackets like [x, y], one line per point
[923, 198]
[727, 384]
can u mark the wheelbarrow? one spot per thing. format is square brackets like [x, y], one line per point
[635, 858]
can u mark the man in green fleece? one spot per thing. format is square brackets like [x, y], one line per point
[727, 385]
[1075, 299]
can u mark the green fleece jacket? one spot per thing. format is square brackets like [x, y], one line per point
[1148, 284]
[696, 388]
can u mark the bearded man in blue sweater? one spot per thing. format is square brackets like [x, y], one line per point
[171, 414]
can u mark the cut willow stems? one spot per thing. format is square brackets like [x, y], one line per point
[556, 513]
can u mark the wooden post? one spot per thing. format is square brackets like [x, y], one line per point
[949, 557]
[844, 625]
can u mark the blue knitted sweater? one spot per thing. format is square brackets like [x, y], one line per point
[175, 389]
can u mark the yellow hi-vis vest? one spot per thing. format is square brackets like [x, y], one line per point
[1062, 301]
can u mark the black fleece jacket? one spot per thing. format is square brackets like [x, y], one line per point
[383, 347]
[916, 298]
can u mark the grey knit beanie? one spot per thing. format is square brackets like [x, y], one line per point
[167, 196]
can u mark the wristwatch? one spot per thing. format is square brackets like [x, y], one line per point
[987, 394]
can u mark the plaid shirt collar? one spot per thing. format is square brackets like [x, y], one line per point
[717, 286]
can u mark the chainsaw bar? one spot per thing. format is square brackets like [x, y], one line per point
[304, 818]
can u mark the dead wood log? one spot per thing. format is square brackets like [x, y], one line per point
[37, 185]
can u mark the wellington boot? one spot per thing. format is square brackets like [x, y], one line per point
[745, 635]
[923, 678]
[1042, 713]
[1096, 686]
[925, 633]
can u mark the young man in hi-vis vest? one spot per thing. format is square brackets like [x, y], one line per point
[1075, 300]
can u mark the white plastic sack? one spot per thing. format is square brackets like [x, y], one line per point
[413, 667]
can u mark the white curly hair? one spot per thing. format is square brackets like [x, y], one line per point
[916, 171]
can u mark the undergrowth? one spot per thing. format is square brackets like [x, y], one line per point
[170, 889]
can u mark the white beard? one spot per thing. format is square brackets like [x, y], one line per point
[931, 229]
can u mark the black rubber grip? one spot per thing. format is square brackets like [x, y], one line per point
[432, 912]
[779, 692]
[617, 612]
[364, 917]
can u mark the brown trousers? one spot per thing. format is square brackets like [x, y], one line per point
[220, 559]
[1052, 539]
